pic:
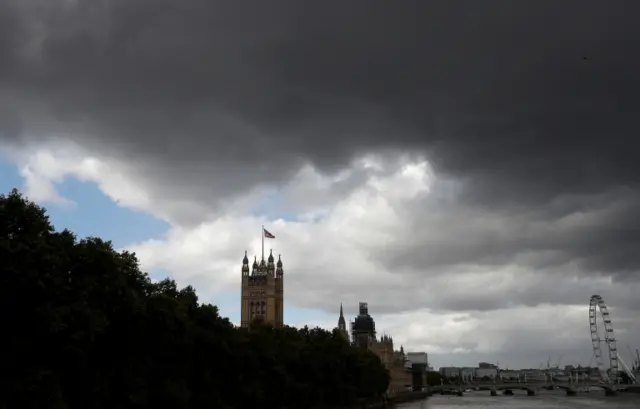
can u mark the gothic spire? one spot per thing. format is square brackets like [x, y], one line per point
[342, 325]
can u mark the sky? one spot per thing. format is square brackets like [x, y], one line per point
[467, 168]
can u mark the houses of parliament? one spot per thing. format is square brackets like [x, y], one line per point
[263, 299]
[262, 291]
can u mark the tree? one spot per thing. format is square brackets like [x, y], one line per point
[85, 328]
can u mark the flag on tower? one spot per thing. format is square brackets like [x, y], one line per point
[267, 234]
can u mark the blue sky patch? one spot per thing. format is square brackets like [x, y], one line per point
[9, 177]
[95, 214]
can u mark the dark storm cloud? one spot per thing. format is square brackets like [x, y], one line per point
[599, 233]
[525, 102]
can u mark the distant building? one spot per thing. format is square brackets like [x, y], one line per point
[510, 375]
[533, 375]
[485, 365]
[418, 364]
[450, 372]
[418, 358]
[262, 292]
[467, 374]
[578, 372]
[486, 373]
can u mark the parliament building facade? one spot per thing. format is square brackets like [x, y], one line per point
[363, 335]
[262, 292]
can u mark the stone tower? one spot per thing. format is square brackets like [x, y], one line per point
[262, 292]
[363, 328]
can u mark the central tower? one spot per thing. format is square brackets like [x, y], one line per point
[363, 329]
[262, 292]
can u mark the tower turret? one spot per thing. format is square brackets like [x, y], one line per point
[254, 270]
[262, 268]
[279, 270]
[270, 265]
[245, 265]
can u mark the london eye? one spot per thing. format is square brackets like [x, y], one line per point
[597, 305]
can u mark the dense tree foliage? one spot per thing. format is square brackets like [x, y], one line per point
[86, 329]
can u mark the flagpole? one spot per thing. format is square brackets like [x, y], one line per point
[262, 234]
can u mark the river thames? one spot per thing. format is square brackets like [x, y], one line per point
[544, 400]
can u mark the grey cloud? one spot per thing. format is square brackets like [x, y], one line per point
[447, 289]
[497, 92]
[600, 233]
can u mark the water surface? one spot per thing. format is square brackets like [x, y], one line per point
[544, 400]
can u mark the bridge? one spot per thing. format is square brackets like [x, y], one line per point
[532, 388]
